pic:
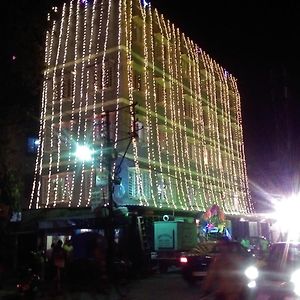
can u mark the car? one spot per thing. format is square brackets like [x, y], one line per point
[195, 263]
[280, 273]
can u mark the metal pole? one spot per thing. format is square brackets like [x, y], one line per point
[110, 223]
[109, 164]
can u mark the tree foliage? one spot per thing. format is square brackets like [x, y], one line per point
[21, 80]
[10, 191]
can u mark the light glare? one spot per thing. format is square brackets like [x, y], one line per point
[84, 153]
[251, 272]
[286, 214]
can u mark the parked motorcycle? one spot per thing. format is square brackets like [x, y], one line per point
[28, 284]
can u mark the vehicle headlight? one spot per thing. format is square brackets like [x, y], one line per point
[251, 272]
[251, 284]
[295, 279]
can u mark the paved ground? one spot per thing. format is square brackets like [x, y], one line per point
[169, 286]
[164, 287]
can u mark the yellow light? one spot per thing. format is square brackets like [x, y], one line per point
[193, 152]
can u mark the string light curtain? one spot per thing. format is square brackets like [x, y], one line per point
[125, 59]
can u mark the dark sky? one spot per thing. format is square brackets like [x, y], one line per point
[256, 41]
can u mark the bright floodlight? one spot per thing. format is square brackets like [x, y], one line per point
[287, 215]
[84, 153]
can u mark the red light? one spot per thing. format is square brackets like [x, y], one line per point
[183, 259]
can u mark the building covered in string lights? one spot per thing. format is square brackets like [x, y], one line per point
[124, 81]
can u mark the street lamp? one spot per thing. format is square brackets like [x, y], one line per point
[84, 153]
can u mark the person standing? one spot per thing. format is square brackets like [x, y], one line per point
[68, 247]
[224, 278]
[49, 273]
[59, 257]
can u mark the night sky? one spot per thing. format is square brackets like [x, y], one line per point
[256, 41]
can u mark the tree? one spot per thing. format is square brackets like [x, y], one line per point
[21, 81]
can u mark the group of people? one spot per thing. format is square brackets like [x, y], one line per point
[57, 258]
[67, 266]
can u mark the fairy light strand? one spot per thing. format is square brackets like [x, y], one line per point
[62, 99]
[179, 111]
[89, 87]
[68, 138]
[175, 154]
[159, 178]
[215, 136]
[196, 110]
[169, 190]
[82, 114]
[200, 126]
[201, 130]
[221, 126]
[72, 159]
[148, 97]
[52, 118]
[129, 26]
[116, 133]
[40, 150]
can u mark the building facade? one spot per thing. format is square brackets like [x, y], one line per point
[162, 118]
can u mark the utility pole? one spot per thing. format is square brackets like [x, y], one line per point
[109, 166]
[110, 223]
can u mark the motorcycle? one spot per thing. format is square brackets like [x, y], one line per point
[28, 284]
